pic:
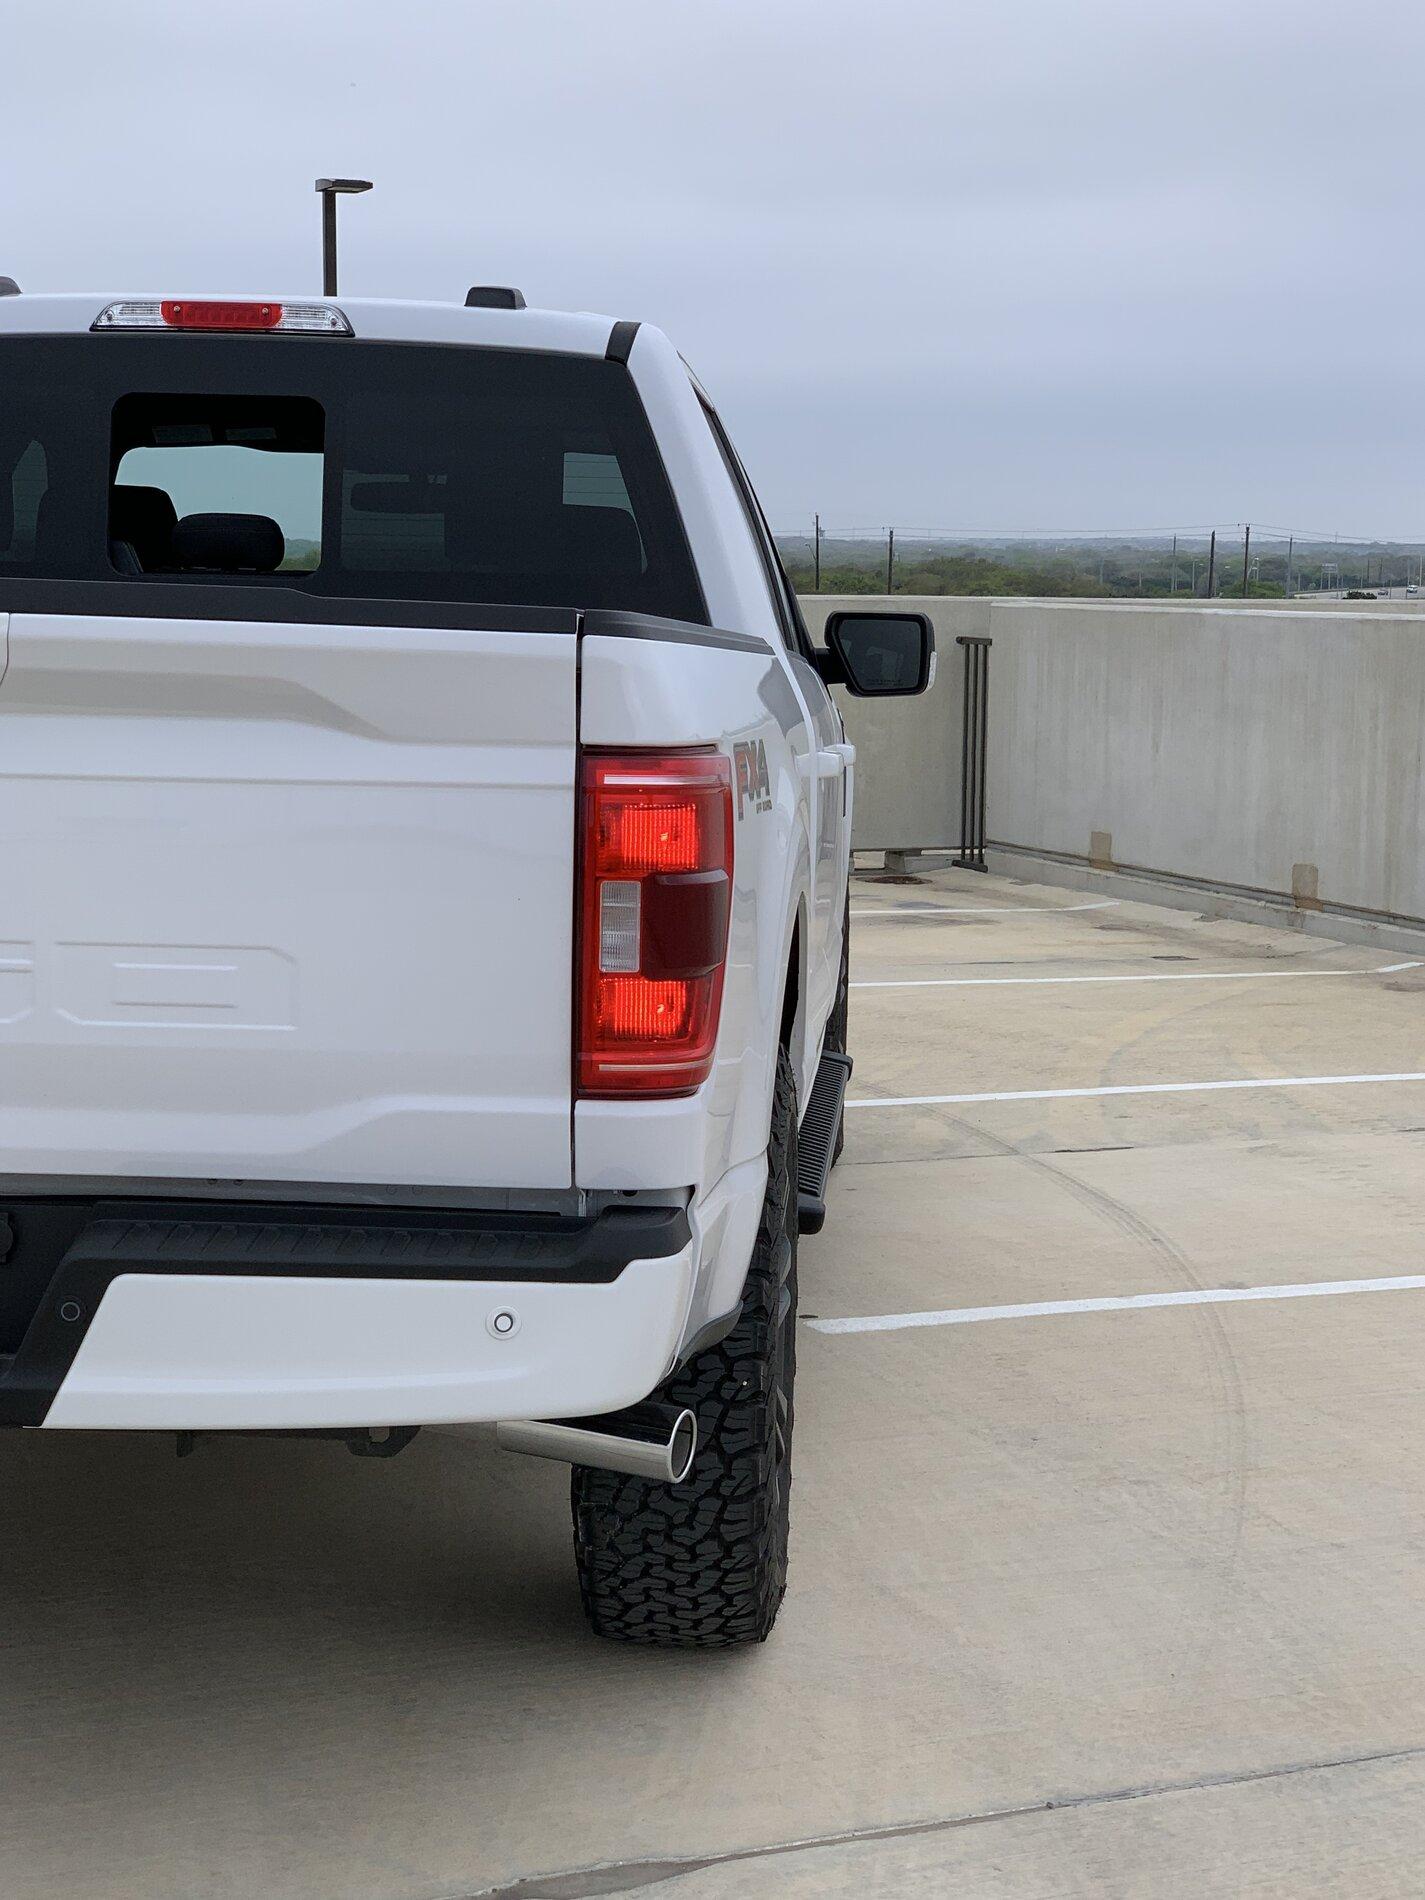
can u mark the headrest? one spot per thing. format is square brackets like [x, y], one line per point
[145, 518]
[230, 543]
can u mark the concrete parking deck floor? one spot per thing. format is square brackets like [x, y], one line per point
[1085, 1602]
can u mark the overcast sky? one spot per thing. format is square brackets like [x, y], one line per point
[1016, 264]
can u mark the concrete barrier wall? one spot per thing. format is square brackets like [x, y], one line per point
[1258, 750]
[1262, 750]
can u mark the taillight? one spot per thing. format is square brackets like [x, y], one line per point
[196, 313]
[656, 894]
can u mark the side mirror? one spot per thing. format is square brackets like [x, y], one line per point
[878, 655]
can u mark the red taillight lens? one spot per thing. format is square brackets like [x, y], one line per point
[636, 837]
[179, 315]
[656, 898]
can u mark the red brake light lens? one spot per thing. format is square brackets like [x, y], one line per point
[656, 900]
[639, 834]
[220, 316]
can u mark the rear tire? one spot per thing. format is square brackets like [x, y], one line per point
[703, 1564]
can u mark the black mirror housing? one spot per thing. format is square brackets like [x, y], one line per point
[878, 656]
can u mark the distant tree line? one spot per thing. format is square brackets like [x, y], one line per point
[1105, 570]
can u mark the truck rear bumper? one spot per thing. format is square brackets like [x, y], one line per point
[172, 1320]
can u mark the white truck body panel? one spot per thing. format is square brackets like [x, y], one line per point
[200, 1353]
[710, 695]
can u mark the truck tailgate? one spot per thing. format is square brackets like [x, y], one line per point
[286, 902]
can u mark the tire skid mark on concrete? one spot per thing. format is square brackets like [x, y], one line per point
[629, 1876]
[1229, 1411]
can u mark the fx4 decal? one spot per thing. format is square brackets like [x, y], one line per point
[753, 785]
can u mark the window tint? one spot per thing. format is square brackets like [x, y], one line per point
[593, 479]
[394, 524]
[360, 470]
[248, 459]
[28, 478]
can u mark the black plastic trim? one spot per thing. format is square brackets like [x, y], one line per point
[817, 1140]
[8, 287]
[494, 297]
[309, 1242]
[618, 625]
[711, 1334]
[621, 342]
[176, 599]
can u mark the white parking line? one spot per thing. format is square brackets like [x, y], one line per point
[1154, 976]
[1135, 1088]
[989, 910]
[1038, 1309]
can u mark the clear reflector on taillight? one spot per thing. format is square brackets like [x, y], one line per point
[620, 921]
[656, 899]
[208, 313]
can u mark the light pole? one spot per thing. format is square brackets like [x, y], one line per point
[331, 189]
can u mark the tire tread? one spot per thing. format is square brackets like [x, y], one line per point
[703, 1564]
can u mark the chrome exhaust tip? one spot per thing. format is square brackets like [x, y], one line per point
[657, 1442]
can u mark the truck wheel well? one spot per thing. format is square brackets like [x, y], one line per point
[790, 996]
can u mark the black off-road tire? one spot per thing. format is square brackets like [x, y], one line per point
[703, 1564]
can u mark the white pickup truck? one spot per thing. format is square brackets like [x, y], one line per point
[425, 832]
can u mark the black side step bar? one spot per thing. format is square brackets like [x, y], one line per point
[817, 1140]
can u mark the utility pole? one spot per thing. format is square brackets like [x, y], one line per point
[890, 560]
[1173, 583]
[816, 555]
[1212, 564]
[330, 189]
[1246, 557]
[1290, 544]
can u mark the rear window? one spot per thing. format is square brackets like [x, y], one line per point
[347, 469]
